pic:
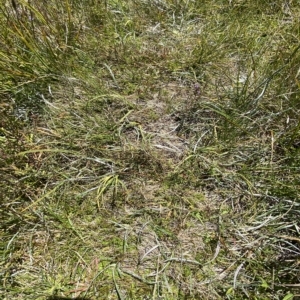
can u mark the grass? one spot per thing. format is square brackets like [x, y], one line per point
[149, 149]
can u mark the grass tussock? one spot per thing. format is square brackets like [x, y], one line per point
[149, 149]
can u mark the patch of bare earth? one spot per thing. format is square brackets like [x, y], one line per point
[170, 238]
[158, 122]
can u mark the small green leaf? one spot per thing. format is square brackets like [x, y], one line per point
[230, 291]
[264, 284]
[288, 296]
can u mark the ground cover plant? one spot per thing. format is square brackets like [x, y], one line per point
[149, 149]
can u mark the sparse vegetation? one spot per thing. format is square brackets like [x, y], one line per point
[149, 149]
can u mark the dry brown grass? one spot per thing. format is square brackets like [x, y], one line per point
[149, 150]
